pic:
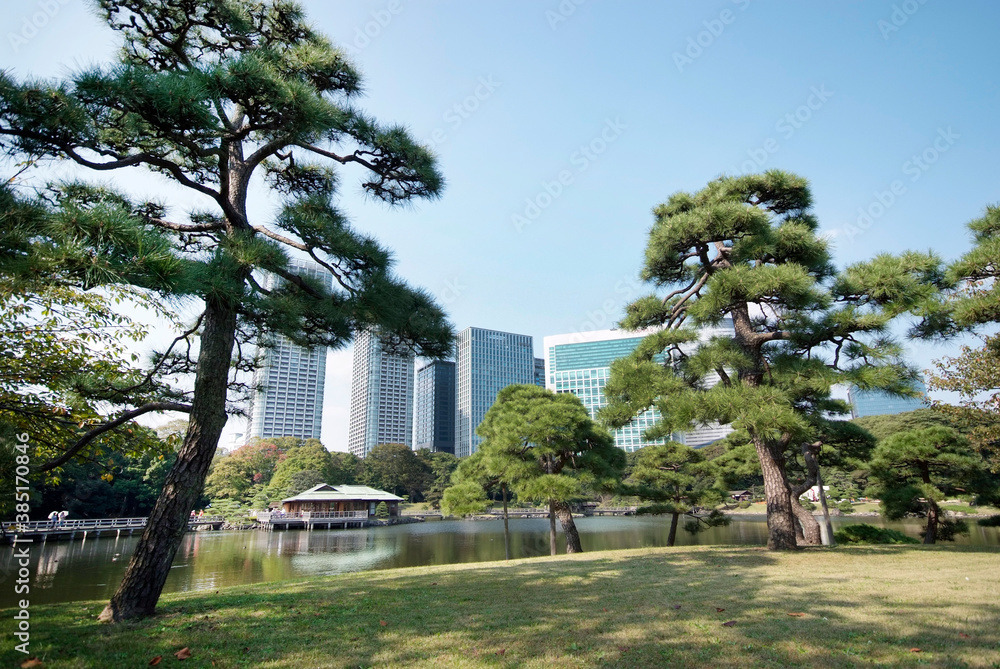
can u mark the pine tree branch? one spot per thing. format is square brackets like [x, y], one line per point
[83, 441]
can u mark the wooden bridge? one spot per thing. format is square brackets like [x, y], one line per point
[84, 527]
[309, 520]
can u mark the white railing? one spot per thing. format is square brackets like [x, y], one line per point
[324, 515]
[76, 524]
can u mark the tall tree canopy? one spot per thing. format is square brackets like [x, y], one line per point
[975, 373]
[221, 97]
[745, 250]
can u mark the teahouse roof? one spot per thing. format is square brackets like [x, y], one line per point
[325, 492]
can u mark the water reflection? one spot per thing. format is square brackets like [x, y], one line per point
[91, 569]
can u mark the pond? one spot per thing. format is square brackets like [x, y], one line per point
[83, 570]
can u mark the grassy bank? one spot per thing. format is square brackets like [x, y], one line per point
[636, 608]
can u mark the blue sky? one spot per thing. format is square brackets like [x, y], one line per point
[558, 127]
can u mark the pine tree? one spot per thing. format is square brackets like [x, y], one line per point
[915, 470]
[746, 249]
[223, 97]
[553, 450]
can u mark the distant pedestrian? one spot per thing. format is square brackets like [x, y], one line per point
[63, 515]
[53, 517]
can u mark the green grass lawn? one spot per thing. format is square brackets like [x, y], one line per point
[852, 606]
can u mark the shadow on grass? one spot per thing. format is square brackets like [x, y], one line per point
[640, 608]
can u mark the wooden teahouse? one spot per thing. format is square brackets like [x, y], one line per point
[330, 498]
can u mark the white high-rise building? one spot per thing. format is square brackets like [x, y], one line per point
[289, 402]
[486, 361]
[381, 396]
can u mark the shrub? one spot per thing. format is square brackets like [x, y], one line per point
[382, 511]
[870, 534]
[744, 504]
[846, 507]
[992, 521]
[948, 529]
[807, 505]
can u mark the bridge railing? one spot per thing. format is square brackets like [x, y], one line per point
[324, 515]
[81, 524]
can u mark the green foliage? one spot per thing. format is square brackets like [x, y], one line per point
[744, 504]
[441, 466]
[240, 475]
[396, 469]
[230, 509]
[846, 507]
[948, 529]
[465, 498]
[746, 248]
[310, 456]
[679, 480]
[382, 511]
[545, 446]
[915, 469]
[992, 521]
[870, 534]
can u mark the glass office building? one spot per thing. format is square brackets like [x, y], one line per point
[434, 412]
[540, 372]
[580, 363]
[876, 403]
[381, 396]
[290, 380]
[486, 361]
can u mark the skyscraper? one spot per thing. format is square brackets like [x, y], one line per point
[381, 396]
[580, 363]
[290, 379]
[486, 362]
[434, 416]
[540, 372]
[877, 403]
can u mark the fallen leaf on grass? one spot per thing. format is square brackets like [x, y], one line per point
[183, 654]
[677, 606]
[31, 662]
[435, 583]
[797, 615]
[623, 649]
[915, 650]
[501, 651]
[605, 610]
[963, 635]
[729, 623]
[383, 623]
[155, 661]
[718, 610]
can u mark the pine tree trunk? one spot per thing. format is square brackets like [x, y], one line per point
[672, 536]
[811, 535]
[552, 528]
[933, 516]
[506, 526]
[147, 571]
[569, 528]
[780, 518]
